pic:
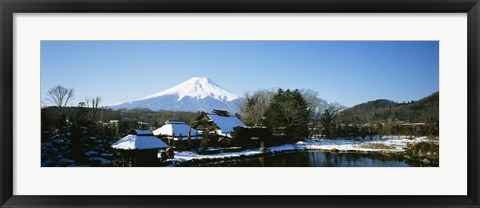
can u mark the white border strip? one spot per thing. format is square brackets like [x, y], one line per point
[450, 178]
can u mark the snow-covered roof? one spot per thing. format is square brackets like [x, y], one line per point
[176, 130]
[136, 142]
[225, 123]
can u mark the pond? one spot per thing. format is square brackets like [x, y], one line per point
[312, 159]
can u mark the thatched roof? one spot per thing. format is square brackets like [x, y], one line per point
[139, 142]
[178, 131]
[225, 123]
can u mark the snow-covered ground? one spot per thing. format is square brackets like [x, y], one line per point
[367, 144]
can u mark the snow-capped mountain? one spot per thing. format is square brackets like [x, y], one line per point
[195, 94]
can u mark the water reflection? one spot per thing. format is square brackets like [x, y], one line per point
[313, 159]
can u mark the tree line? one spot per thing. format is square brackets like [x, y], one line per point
[292, 115]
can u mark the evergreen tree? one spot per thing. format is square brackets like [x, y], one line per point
[288, 115]
[327, 122]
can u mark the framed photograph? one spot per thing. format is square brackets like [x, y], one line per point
[239, 103]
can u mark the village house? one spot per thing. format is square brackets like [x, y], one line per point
[177, 131]
[218, 121]
[139, 148]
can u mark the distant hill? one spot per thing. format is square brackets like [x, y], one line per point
[425, 110]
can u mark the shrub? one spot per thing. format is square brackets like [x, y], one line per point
[422, 154]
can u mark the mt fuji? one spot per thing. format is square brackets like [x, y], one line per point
[195, 94]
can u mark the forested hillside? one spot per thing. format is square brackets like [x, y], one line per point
[425, 110]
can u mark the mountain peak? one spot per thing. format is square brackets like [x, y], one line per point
[194, 94]
[198, 79]
[197, 87]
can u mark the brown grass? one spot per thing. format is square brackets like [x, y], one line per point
[377, 146]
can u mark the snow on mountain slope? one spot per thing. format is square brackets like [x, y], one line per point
[198, 87]
[195, 94]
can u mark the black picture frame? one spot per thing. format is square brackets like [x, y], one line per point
[9, 7]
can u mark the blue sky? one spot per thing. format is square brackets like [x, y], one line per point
[348, 72]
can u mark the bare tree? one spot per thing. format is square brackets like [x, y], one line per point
[316, 105]
[255, 106]
[336, 107]
[321, 111]
[94, 104]
[60, 96]
[316, 108]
